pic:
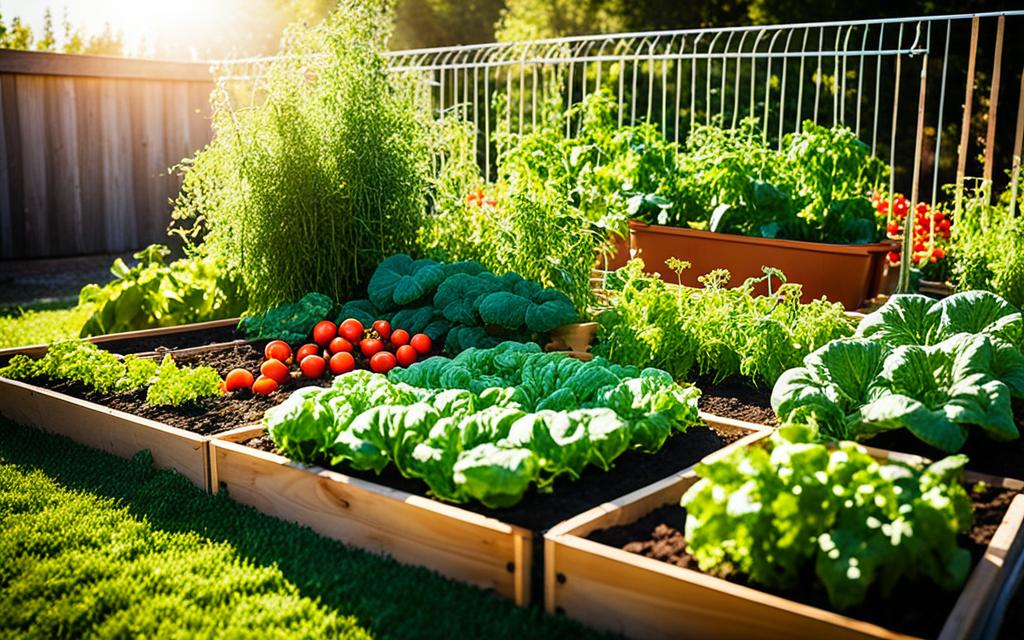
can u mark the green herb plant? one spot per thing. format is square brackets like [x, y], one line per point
[324, 176]
[84, 363]
[713, 330]
[988, 245]
[176, 386]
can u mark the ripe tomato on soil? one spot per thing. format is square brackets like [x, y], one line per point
[382, 362]
[371, 346]
[306, 350]
[399, 337]
[238, 379]
[342, 362]
[383, 329]
[406, 355]
[421, 343]
[324, 332]
[351, 329]
[278, 350]
[264, 386]
[340, 344]
[276, 370]
[313, 366]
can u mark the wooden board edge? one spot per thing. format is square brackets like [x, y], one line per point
[988, 578]
[384, 492]
[603, 553]
[607, 509]
[732, 425]
[36, 350]
[523, 569]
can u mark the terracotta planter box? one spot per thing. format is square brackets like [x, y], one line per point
[849, 274]
[462, 545]
[615, 590]
[110, 430]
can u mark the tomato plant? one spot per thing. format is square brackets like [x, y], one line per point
[264, 386]
[406, 355]
[276, 370]
[399, 337]
[238, 379]
[421, 343]
[278, 350]
[306, 350]
[351, 329]
[324, 332]
[313, 366]
[342, 362]
[383, 329]
[382, 362]
[339, 344]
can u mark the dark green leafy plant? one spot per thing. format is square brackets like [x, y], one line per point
[934, 368]
[486, 425]
[713, 330]
[290, 322]
[773, 513]
[312, 187]
[176, 386]
[155, 294]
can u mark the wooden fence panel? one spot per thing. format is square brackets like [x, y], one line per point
[86, 148]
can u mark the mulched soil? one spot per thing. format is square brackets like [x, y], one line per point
[171, 341]
[916, 609]
[985, 455]
[735, 399]
[541, 511]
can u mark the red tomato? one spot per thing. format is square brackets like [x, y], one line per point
[351, 329]
[382, 362]
[276, 370]
[238, 379]
[383, 329]
[340, 344]
[371, 346]
[421, 343]
[278, 350]
[264, 386]
[399, 337]
[313, 366]
[306, 350]
[323, 332]
[406, 355]
[342, 362]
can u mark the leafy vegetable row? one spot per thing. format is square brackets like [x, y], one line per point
[934, 368]
[713, 330]
[777, 512]
[103, 372]
[493, 439]
[458, 304]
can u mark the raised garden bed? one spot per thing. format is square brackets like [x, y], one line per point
[652, 590]
[490, 548]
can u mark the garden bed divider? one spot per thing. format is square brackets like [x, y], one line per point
[110, 430]
[615, 590]
[412, 529]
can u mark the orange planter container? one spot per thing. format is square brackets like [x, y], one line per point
[845, 273]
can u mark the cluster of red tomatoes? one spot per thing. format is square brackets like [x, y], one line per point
[480, 199]
[334, 348]
[926, 220]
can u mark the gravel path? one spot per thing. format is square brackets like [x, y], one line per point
[52, 280]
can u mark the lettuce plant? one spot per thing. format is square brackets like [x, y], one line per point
[487, 425]
[934, 368]
[771, 513]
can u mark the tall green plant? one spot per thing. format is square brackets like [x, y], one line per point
[312, 187]
[988, 245]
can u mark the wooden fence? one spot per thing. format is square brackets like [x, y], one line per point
[86, 144]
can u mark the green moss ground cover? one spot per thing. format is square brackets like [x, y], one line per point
[95, 546]
[20, 327]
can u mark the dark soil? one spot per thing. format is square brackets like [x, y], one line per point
[918, 609]
[540, 511]
[735, 399]
[208, 416]
[182, 340]
[985, 455]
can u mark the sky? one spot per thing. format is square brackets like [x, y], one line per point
[177, 20]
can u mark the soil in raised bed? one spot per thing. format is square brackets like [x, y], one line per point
[918, 609]
[541, 511]
[984, 455]
[735, 399]
[208, 416]
[172, 341]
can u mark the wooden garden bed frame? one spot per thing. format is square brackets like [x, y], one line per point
[612, 589]
[455, 542]
[117, 432]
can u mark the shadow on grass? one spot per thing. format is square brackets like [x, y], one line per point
[389, 599]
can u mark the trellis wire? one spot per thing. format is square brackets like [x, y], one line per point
[780, 74]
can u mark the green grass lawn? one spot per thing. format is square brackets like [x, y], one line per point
[36, 326]
[95, 546]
